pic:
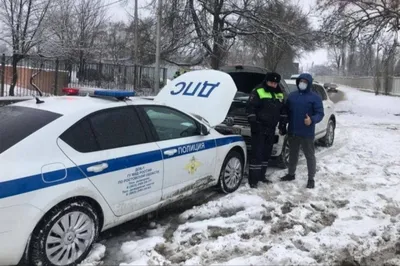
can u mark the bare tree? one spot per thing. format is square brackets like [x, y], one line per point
[3, 48]
[363, 21]
[90, 21]
[194, 30]
[397, 68]
[146, 42]
[77, 30]
[365, 59]
[61, 29]
[351, 58]
[335, 56]
[242, 53]
[218, 23]
[285, 34]
[179, 42]
[360, 19]
[388, 61]
[116, 41]
[377, 71]
[23, 21]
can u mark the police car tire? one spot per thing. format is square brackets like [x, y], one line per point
[329, 138]
[37, 244]
[222, 185]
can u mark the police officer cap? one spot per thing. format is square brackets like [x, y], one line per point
[273, 77]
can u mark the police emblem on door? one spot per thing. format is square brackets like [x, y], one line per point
[192, 166]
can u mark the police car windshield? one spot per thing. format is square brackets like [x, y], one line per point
[17, 123]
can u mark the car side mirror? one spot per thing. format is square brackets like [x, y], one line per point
[204, 131]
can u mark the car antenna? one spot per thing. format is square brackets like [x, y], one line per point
[38, 101]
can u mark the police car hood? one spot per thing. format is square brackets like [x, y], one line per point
[207, 93]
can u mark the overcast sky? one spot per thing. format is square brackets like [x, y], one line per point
[118, 11]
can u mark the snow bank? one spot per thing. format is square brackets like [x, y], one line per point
[95, 256]
[367, 107]
[139, 252]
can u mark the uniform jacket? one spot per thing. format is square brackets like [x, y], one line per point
[267, 105]
[300, 103]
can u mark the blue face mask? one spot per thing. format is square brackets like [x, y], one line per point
[302, 86]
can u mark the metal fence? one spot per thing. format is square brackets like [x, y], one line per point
[366, 83]
[53, 74]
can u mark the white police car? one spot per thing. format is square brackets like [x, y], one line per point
[74, 166]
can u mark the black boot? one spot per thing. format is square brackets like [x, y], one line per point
[310, 183]
[254, 175]
[253, 185]
[266, 181]
[288, 178]
[263, 173]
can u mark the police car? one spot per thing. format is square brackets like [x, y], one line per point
[74, 166]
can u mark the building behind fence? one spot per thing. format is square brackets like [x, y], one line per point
[55, 74]
[366, 83]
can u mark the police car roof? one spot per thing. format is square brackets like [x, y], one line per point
[71, 104]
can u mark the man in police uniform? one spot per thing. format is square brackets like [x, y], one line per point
[265, 109]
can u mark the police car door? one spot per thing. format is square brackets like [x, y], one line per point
[189, 156]
[111, 148]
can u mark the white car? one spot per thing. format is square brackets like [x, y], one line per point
[72, 166]
[246, 78]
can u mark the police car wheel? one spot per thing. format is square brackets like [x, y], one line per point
[65, 236]
[329, 138]
[231, 175]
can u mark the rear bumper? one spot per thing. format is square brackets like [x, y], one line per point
[16, 225]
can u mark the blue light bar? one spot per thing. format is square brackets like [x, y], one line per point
[114, 93]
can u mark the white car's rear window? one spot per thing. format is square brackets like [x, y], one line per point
[17, 123]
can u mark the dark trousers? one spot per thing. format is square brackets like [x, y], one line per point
[261, 149]
[309, 152]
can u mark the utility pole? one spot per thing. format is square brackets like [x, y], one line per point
[136, 44]
[158, 43]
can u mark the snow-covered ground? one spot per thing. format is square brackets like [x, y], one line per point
[353, 212]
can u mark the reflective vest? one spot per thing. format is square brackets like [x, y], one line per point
[268, 95]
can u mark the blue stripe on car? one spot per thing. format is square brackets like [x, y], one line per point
[36, 182]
